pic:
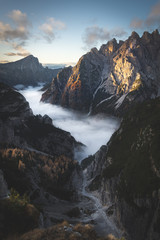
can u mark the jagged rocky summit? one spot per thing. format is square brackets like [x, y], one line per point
[125, 174]
[27, 71]
[111, 79]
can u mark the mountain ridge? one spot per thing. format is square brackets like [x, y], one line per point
[27, 71]
[113, 78]
[125, 173]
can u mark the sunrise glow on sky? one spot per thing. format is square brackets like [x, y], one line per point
[59, 31]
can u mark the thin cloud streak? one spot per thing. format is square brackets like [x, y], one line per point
[50, 27]
[95, 34]
[20, 31]
[11, 54]
[20, 50]
[152, 20]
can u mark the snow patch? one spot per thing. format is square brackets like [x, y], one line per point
[105, 100]
[105, 71]
[120, 101]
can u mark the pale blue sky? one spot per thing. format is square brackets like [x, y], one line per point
[59, 31]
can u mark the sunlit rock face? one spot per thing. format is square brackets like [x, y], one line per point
[75, 87]
[57, 86]
[112, 79]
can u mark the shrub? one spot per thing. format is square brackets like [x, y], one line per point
[18, 216]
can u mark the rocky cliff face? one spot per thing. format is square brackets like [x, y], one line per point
[76, 86]
[27, 71]
[13, 104]
[21, 128]
[112, 79]
[36, 159]
[125, 174]
[57, 86]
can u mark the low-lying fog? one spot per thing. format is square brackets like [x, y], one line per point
[91, 131]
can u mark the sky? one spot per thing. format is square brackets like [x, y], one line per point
[61, 31]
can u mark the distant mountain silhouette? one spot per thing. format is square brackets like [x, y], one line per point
[27, 71]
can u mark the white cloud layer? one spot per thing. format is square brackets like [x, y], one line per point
[92, 131]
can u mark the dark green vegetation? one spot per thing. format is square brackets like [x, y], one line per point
[129, 175]
[53, 173]
[17, 215]
[20, 168]
[134, 152]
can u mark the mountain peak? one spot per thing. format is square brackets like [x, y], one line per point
[112, 80]
[109, 48]
[30, 58]
[146, 35]
[150, 37]
[26, 71]
[135, 35]
[156, 35]
[94, 50]
[155, 32]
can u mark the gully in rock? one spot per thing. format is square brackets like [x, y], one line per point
[103, 225]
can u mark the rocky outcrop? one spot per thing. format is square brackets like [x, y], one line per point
[13, 104]
[128, 178]
[27, 71]
[19, 127]
[57, 86]
[112, 79]
[134, 75]
[75, 89]
[36, 158]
